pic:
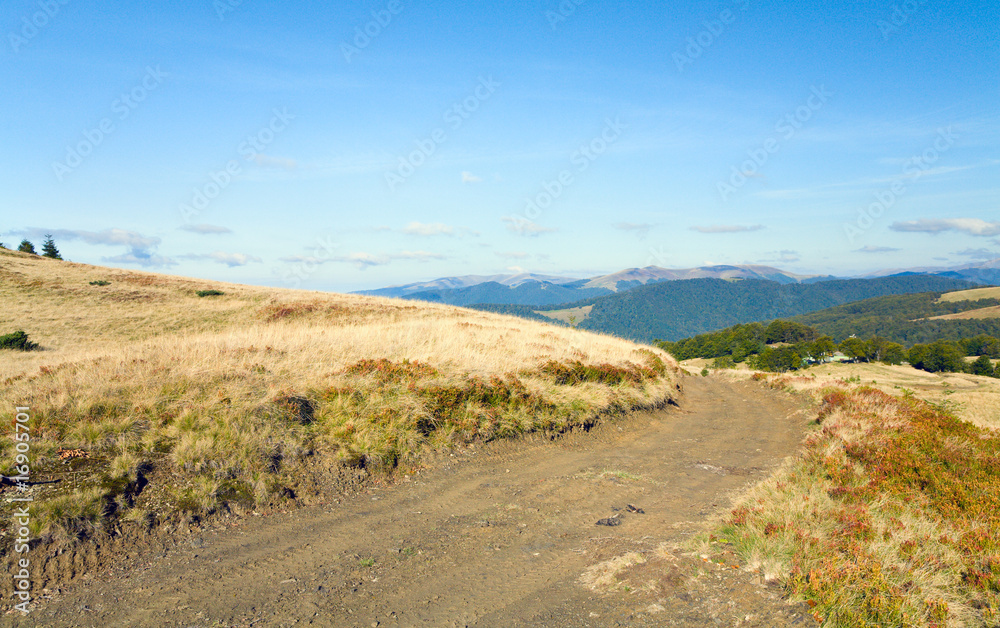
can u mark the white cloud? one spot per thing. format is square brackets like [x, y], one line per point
[639, 229]
[783, 256]
[363, 260]
[971, 226]
[468, 177]
[417, 255]
[875, 249]
[511, 254]
[141, 249]
[205, 229]
[275, 162]
[141, 258]
[525, 227]
[229, 259]
[428, 229]
[978, 253]
[727, 228]
[110, 237]
[306, 259]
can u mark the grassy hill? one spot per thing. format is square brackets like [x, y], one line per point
[148, 401]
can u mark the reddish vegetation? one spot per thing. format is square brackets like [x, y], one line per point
[909, 459]
[387, 371]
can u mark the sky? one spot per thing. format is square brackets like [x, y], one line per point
[348, 146]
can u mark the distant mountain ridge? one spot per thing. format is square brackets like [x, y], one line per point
[632, 277]
[985, 272]
[465, 281]
[531, 289]
[535, 289]
[671, 310]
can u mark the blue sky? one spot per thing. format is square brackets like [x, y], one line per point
[342, 146]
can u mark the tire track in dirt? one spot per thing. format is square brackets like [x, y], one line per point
[498, 535]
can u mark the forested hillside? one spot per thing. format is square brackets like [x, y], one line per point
[902, 319]
[678, 309]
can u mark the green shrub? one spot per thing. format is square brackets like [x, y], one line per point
[723, 362]
[17, 340]
[209, 293]
[100, 282]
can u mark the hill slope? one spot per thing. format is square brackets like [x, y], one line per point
[186, 404]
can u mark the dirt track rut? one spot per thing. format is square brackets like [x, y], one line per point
[498, 535]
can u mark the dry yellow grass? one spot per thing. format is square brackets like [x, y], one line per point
[572, 316]
[971, 295]
[972, 398]
[983, 312]
[143, 372]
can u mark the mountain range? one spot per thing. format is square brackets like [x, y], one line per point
[671, 310]
[546, 290]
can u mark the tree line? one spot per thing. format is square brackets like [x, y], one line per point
[788, 346]
[49, 248]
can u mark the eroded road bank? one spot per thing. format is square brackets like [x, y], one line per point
[500, 535]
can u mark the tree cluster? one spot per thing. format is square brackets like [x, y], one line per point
[49, 248]
[947, 356]
[788, 346]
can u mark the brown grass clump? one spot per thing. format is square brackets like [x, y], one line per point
[182, 404]
[891, 517]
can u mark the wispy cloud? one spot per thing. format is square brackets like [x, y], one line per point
[363, 261]
[825, 190]
[432, 229]
[267, 161]
[785, 255]
[978, 253]
[875, 249]
[221, 257]
[727, 228]
[639, 229]
[111, 237]
[141, 249]
[522, 226]
[205, 229]
[511, 254]
[971, 226]
[141, 258]
[428, 229]
[417, 255]
[468, 177]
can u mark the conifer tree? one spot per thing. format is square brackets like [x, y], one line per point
[49, 248]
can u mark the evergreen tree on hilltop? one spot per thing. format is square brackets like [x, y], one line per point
[27, 247]
[49, 248]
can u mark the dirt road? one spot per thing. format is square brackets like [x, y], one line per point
[500, 535]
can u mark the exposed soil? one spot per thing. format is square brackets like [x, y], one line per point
[497, 535]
